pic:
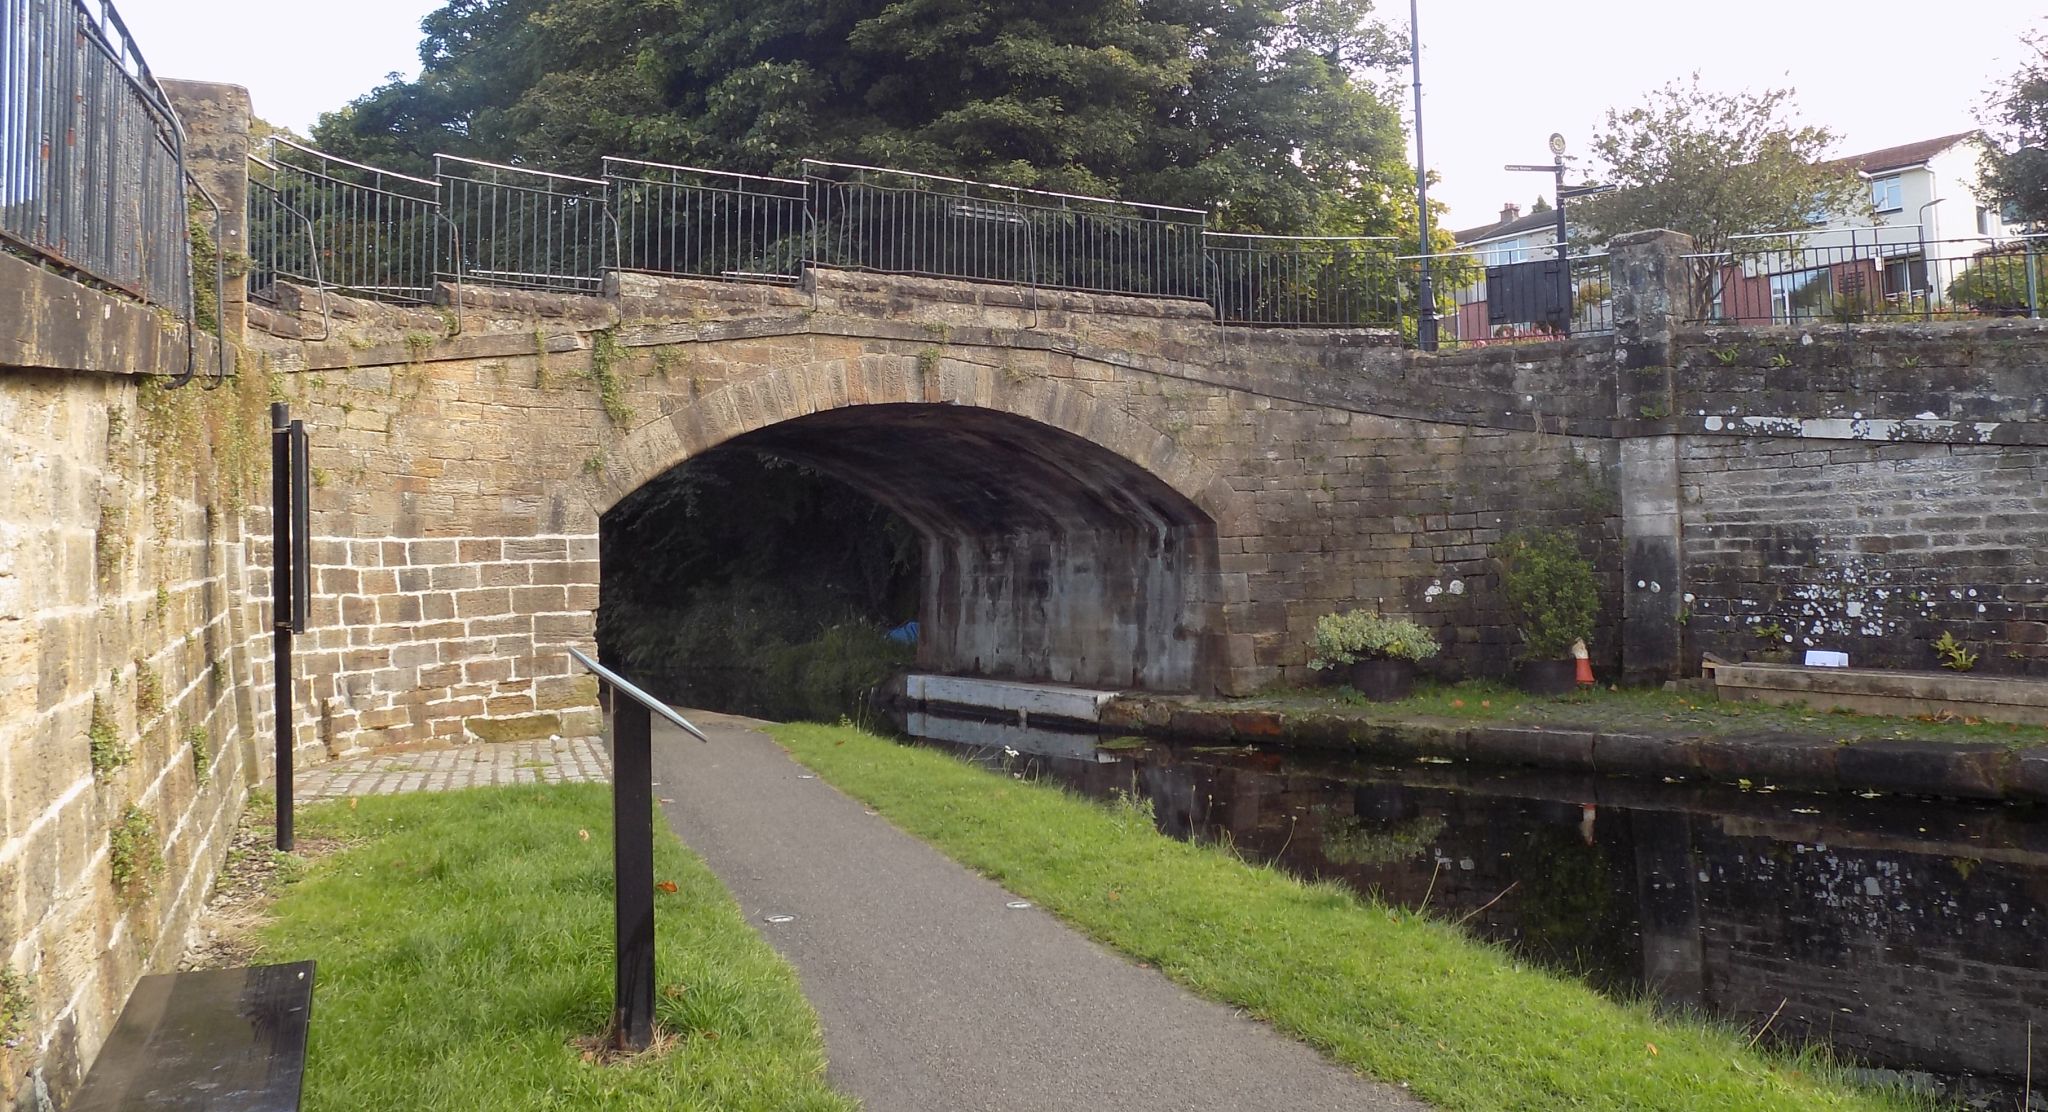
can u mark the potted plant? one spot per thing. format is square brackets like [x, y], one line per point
[1553, 597]
[1379, 652]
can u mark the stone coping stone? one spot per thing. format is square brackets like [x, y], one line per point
[1997, 698]
[1958, 770]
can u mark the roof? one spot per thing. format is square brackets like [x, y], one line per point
[1900, 157]
[1520, 224]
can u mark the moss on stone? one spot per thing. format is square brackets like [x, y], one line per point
[527, 727]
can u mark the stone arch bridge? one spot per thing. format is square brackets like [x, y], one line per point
[1111, 491]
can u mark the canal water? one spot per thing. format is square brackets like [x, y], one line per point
[1909, 935]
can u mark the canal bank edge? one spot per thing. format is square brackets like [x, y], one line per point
[1957, 770]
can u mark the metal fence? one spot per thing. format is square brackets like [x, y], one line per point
[519, 227]
[1871, 275]
[315, 219]
[897, 222]
[685, 221]
[1326, 281]
[91, 154]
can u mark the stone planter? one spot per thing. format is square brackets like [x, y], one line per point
[1383, 681]
[1549, 677]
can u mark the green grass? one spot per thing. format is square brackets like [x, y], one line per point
[1399, 996]
[465, 939]
[1640, 709]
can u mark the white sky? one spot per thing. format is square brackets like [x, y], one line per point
[1878, 72]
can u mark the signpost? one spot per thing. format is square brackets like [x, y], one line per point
[290, 586]
[1564, 194]
[632, 732]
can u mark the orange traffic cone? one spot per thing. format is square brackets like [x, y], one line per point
[1585, 663]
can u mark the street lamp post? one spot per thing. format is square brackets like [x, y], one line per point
[1425, 320]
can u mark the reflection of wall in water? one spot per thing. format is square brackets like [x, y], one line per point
[1894, 957]
[1897, 958]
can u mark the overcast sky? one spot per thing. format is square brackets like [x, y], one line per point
[1496, 81]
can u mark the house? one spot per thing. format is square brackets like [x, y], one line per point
[1927, 228]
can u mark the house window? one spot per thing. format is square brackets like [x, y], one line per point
[1800, 294]
[1904, 277]
[1987, 222]
[1888, 194]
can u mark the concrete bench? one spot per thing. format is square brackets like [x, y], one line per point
[223, 1040]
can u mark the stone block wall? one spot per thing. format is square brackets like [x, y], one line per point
[128, 731]
[1868, 488]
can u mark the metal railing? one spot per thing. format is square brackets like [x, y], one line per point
[526, 228]
[91, 155]
[690, 222]
[898, 222]
[1871, 275]
[326, 221]
[1326, 281]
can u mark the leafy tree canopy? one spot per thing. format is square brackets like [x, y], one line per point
[1717, 165]
[1262, 107]
[2016, 119]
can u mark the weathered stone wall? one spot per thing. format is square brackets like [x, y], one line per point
[1868, 489]
[126, 630]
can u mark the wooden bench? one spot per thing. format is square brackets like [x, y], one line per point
[223, 1040]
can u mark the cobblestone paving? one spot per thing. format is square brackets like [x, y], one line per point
[549, 761]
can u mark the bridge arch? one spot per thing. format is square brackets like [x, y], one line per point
[1065, 539]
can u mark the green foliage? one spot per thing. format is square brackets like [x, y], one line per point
[417, 344]
[1996, 282]
[17, 1009]
[1356, 635]
[457, 935]
[109, 541]
[1552, 592]
[1267, 107]
[107, 752]
[1954, 655]
[149, 690]
[1717, 165]
[2017, 125]
[135, 853]
[1771, 633]
[202, 753]
[604, 361]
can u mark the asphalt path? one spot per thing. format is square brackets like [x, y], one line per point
[936, 995]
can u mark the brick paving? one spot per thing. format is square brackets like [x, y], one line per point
[547, 761]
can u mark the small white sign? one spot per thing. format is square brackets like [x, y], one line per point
[1826, 658]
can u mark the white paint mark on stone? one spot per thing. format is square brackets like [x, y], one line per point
[1656, 588]
[1457, 586]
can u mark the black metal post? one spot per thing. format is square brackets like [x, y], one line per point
[633, 871]
[1564, 254]
[281, 577]
[1425, 321]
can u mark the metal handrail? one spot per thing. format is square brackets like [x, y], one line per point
[518, 169]
[283, 141]
[1015, 189]
[609, 159]
[627, 687]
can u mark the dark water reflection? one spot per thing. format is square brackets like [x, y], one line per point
[1909, 935]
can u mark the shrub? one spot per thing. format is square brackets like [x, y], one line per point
[1551, 591]
[103, 743]
[1355, 635]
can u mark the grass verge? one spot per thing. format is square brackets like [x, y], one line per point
[1397, 995]
[1640, 709]
[464, 942]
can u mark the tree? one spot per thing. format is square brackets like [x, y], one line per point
[1717, 165]
[1541, 204]
[1261, 107]
[2016, 121]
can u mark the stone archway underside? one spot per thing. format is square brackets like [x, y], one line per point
[1047, 557]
